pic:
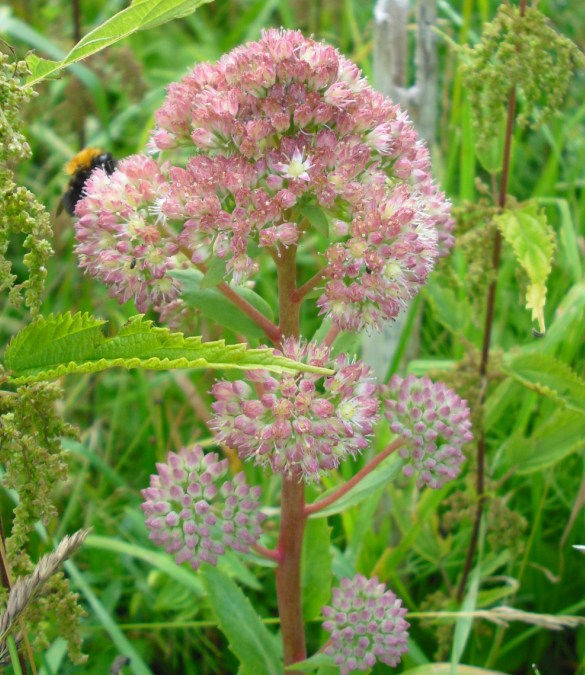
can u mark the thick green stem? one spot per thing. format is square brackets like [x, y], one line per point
[292, 506]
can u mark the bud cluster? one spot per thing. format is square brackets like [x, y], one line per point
[435, 423]
[366, 623]
[194, 514]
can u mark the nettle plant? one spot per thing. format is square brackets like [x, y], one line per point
[250, 157]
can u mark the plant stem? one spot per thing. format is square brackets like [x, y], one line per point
[299, 293]
[272, 332]
[292, 506]
[360, 475]
[487, 336]
[269, 553]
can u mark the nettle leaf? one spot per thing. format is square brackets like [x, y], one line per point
[248, 637]
[316, 571]
[533, 243]
[559, 435]
[140, 15]
[548, 376]
[66, 343]
[215, 306]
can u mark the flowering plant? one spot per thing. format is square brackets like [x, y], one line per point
[248, 156]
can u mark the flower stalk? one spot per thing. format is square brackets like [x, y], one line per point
[487, 336]
[292, 505]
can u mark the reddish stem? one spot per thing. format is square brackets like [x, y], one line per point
[299, 293]
[269, 553]
[352, 482]
[292, 519]
[272, 331]
[331, 335]
[487, 337]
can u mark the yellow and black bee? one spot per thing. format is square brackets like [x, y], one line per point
[80, 168]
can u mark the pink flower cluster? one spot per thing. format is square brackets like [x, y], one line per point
[119, 240]
[366, 623]
[436, 424]
[290, 424]
[275, 126]
[193, 518]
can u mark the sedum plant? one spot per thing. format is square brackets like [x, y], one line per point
[249, 158]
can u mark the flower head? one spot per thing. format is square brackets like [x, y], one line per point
[434, 421]
[118, 240]
[366, 623]
[195, 514]
[271, 128]
[292, 425]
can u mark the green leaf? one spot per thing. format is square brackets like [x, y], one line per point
[548, 376]
[316, 216]
[158, 560]
[215, 273]
[215, 306]
[248, 637]
[378, 477]
[316, 661]
[532, 241]
[140, 15]
[447, 669]
[65, 343]
[316, 568]
[557, 437]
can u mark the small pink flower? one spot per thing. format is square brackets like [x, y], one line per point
[118, 240]
[366, 623]
[436, 424]
[292, 427]
[195, 514]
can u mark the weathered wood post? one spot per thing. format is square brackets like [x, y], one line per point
[420, 99]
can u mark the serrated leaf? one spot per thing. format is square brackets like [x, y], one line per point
[532, 241]
[315, 568]
[140, 15]
[215, 306]
[548, 376]
[248, 637]
[557, 437]
[378, 477]
[65, 343]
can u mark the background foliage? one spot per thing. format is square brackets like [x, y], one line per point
[137, 599]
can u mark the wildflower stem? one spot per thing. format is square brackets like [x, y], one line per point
[292, 506]
[333, 332]
[273, 332]
[359, 476]
[487, 336]
[269, 553]
[299, 293]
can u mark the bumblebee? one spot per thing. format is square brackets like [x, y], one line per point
[79, 169]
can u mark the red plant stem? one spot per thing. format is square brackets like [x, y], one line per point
[352, 482]
[331, 335]
[487, 337]
[299, 293]
[272, 332]
[292, 505]
[269, 553]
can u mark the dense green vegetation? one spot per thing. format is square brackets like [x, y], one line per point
[416, 541]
